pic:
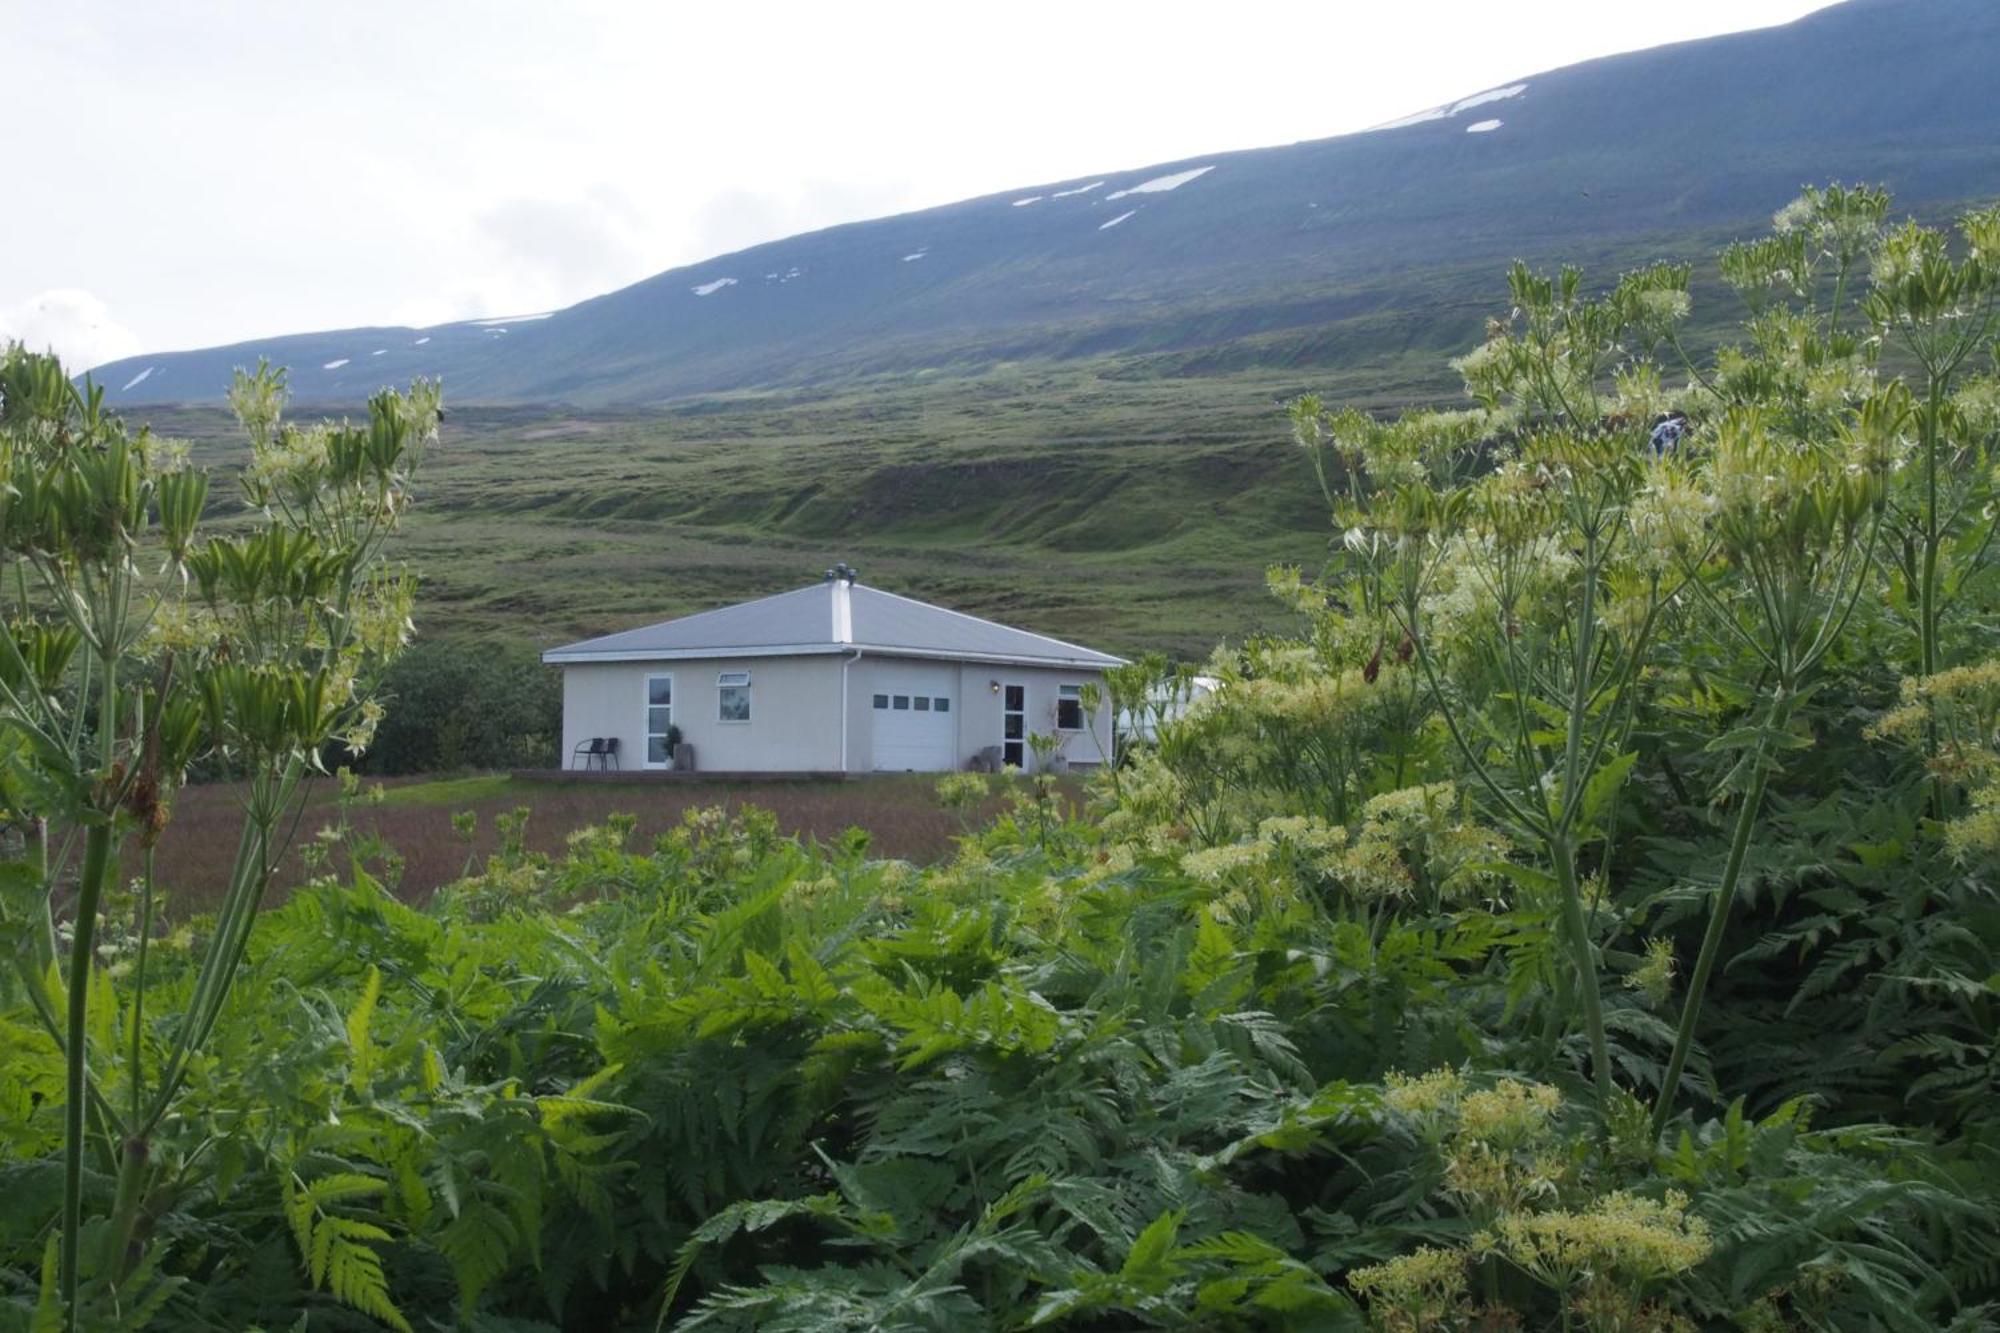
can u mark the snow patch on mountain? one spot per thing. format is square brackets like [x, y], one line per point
[1482, 127]
[1451, 109]
[336, 364]
[1081, 189]
[421, 341]
[509, 319]
[137, 380]
[1031, 199]
[918, 255]
[1481, 99]
[710, 288]
[1115, 221]
[1160, 184]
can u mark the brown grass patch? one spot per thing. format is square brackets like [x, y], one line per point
[901, 814]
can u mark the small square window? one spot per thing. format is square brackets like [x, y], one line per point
[923, 702]
[941, 705]
[1069, 708]
[902, 703]
[732, 696]
[881, 701]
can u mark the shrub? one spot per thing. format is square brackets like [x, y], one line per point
[454, 704]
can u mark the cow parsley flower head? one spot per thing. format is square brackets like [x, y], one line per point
[162, 454]
[1666, 518]
[1654, 977]
[1794, 215]
[1509, 1114]
[1641, 396]
[1373, 870]
[956, 791]
[1427, 1094]
[1621, 1234]
[1214, 864]
[184, 627]
[1420, 1290]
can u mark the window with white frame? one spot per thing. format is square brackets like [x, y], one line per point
[732, 696]
[1069, 708]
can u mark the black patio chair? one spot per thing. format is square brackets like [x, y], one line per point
[588, 751]
[607, 758]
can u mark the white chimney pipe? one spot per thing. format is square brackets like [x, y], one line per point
[843, 609]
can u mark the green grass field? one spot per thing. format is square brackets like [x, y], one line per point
[1131, 503]
[1129, 514]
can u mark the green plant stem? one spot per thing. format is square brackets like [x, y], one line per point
[97, 860]
[1927, 609]
[133, 1158]
[1718, 916]
[96, 864]
[1579, 702]
[139, 989]
[1585, 959]
[249, 878]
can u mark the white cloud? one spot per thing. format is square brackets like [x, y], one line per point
[569, 245]
[423, 312]
[736, 218]
[507, 155]
[73, 324]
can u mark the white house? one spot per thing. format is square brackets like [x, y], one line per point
[836, 677]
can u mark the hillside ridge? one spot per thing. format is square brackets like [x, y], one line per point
[1249, 257]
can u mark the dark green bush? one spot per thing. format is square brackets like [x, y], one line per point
[455, 704]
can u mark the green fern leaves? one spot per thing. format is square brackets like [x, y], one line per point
[338, 1248]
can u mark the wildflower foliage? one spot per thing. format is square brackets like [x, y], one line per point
[1583, 919]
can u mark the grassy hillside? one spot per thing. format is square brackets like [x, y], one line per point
[1127, 502]
[1128, 513]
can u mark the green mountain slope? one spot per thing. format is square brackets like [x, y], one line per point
[1300, 256]
[1126, 513]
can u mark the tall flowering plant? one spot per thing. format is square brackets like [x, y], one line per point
[1617, 514]
[134, 640]
[1516, 571]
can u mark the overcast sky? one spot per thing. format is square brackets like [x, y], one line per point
[186, 174]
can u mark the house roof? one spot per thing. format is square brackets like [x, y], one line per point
[833, 616]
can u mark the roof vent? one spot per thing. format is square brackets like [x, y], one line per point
[842, 572]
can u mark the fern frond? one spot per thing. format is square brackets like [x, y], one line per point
[477, 1244]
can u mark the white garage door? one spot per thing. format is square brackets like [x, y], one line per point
[916, 717]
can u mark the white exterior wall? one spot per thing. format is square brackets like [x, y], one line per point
[795, 710]
[794, 721]
[977, 708]
[980, 714]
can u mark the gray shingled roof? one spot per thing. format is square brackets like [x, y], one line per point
[808, 620]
